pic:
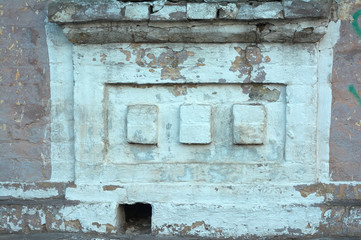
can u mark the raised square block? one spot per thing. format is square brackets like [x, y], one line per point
[248, 124]
[142, 124]
[195, 124]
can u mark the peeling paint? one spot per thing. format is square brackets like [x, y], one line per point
[111, 187]
[103, 58]
[263, 93]
[185, 230]
[169, 61]
[110, 228]
[331, 192]
[249, 63]
[240, 63]
[96, 224]
[73, 225]
[126, 53]
[179, 90]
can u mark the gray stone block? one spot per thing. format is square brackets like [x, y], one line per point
[228, 11]
[307, 8]
[170, 13]
[267, 10]
[83, 11]
[142, 124]
[137, 12]
[195, 124]
[198, 11]
[248, 124]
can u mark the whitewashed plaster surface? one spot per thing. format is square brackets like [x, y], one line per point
[104, 86]
[61, 91]
[20, 192]
[215, 190]
[325, 63]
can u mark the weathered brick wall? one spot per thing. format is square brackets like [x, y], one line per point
[24, 92]
[318, 207]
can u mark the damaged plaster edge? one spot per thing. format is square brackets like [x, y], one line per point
[181, 219]
[185, 194]
[30, 194]
[324, 85]
[10, 190]
[62, 101]
[59, 216]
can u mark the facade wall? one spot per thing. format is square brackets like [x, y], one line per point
[345, 130]
[60, 169]
[24, 93]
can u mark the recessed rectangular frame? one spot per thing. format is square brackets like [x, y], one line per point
[171, 148]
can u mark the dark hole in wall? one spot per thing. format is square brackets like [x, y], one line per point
[138, 218]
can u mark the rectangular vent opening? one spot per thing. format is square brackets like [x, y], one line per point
[137, 218]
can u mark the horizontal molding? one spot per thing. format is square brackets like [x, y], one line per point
[114, 21]
[195, 32]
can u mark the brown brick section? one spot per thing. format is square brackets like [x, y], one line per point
[24, 92]
[345, 141]
[341, 208]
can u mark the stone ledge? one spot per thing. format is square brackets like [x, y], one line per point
[111, 21]
[39, 202]
[70, 11]
[196, 32]
[39, 190]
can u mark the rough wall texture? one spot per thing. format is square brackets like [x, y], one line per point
[267, 193]
[345, 151]
[24, 92]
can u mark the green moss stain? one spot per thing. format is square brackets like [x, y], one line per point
[354, 92]
[355, 24]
